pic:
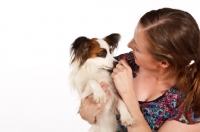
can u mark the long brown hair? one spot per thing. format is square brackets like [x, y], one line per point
[174, 37]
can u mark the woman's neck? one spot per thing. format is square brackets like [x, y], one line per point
[159, 76]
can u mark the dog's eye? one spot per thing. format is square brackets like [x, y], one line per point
[103, 53]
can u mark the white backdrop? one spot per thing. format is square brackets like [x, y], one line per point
[35, 36]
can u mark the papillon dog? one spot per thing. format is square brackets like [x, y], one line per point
[91, 63]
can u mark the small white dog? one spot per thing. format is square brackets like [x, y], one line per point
[92, 61]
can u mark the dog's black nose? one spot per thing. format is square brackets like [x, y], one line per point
[115, 63]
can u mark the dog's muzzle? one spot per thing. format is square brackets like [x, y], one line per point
[114, 65]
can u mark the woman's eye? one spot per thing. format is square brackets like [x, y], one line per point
[136, 49]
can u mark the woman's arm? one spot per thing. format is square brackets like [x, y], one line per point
[172, 125]
[123, 79]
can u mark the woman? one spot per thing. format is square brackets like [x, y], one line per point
[159, 81]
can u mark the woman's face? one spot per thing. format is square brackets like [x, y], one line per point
[139, 45]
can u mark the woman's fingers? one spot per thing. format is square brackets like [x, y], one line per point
[121, 66]
[104, 85]
[124, 63]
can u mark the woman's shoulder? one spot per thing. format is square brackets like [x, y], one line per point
[173, 95]
[175, 99]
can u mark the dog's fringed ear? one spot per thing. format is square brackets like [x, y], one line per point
[112, 40]
[79, 47]
[79, 43]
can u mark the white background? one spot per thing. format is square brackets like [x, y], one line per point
[35, 37]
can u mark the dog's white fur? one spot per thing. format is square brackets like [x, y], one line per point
[88, 77]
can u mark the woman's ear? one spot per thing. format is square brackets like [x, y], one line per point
[164, 64]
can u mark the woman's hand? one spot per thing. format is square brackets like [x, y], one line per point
[123, 77]
[89, 109]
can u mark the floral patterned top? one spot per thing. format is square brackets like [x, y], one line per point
[157, 111]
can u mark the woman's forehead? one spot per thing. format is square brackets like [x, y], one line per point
[139, 28]
[139, 33]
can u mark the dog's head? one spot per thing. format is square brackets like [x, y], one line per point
[97, 51]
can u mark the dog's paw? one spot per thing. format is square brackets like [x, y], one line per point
[128, 121]
[99, 97]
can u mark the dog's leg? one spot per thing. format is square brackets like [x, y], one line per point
[125, 116]
[94, 87]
